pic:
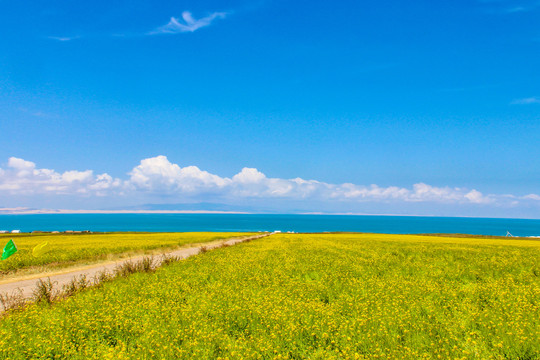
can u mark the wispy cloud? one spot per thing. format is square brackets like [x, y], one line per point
[187, 24]
[517, 9]
[526, 101]
[63, 38]
[37, 113]
[510, 6]
[532, 197]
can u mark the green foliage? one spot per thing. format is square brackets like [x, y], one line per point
[298, 296]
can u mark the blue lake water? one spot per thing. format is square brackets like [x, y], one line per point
[260, 222]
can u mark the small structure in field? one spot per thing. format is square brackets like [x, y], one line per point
[15, 231]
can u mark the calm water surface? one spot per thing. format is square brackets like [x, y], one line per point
[259, 222]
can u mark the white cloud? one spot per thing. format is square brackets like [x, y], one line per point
[21, 177]
[157, 176]
[189, 24]
[477, 197]
[527, 101]
[532, 197]
[419, 193]
[425, 192]
[249, 176]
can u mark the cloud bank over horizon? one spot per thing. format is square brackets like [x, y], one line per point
[159, 178]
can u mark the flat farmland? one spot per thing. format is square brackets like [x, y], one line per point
[72, 249]
[296, 296]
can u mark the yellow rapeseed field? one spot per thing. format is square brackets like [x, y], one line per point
[67, 249]
[304, 296]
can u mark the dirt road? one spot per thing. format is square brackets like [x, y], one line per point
[60, 278]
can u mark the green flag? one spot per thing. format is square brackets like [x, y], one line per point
[9, 249]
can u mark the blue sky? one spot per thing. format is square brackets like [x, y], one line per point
[422, 107]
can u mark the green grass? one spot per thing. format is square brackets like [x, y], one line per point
[299, 296]
[69, 249]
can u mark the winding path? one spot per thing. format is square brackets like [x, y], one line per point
[60, 278]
